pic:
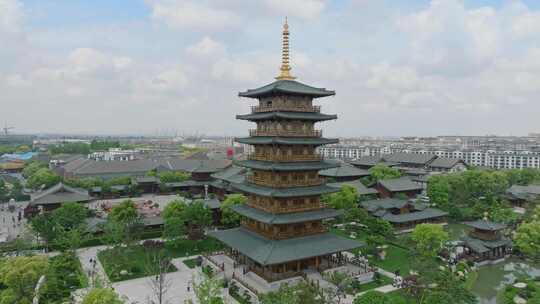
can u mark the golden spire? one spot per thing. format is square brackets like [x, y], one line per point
[285, 68]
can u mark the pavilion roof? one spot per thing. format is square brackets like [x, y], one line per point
[286, 140]
[285, 218]
[485, 225]
[427, 213]
[357, 184]
[275, 166]
[287, 115]
[60, 193]
[284, 192]
[400, 184]
[286, 87]
[345, 170]
[268, 252]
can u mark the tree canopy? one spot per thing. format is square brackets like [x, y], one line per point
[229, 217]
[125, 212]
[102, 296]
[19, 276]
[527, 239]
[429, 239]
[381, 172]
[346, 198]
[43, 177]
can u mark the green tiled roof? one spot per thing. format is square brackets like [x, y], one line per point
[345, 170]
[262, 140]
[284, 192]
[60, 193]
[485, 225]
[414, 216]
[400, 184]
[285, 218]
[188, 183]
[481, 246]
[409, 158]
[268, 252]
[287, 115]
[291, 166]
[387, 203]
[289, 87]
[360, 188]
[233, 174]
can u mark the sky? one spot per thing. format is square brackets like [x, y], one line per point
[399, 68]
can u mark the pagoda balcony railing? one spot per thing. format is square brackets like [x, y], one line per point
[284, 184]
[289, 209]
[284, 234]
[288, 108]
[285, 158]
[286, 133]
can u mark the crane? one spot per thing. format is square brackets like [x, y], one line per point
[6, 129]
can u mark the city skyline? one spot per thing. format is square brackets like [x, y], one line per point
[133, 67]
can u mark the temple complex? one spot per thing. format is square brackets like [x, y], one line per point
[282, 235]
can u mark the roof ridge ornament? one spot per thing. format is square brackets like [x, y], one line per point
[285, 67]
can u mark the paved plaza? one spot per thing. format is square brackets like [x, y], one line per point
[12, 221]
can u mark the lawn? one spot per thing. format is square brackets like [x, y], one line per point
[400, 294]
[185, 248]
[397, 258]
[136, 260]
[191, 263]
[374, 284]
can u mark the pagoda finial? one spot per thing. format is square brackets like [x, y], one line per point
[285, 67]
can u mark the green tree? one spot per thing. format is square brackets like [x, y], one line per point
[44, 226]
[345, 199]
[447, 288]
[302, 293]
[173, 218]
[527, 239]
[125, 212]
[229, 217]
[71, 215]
[429, 239]
[4, 193]
[18, 278]
[173, 176]
[208, 290]
[381, 172]
[197, 217]
[31, 168]
[102, 296]
[380, 227]
[43, 177]
[356, 214]
[438, 190]
[174, 208]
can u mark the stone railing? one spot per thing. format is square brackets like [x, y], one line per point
[287, 108]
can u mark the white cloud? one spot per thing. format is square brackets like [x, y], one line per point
[206, 46]
[306, 9]
[10, 15]
[183, 14]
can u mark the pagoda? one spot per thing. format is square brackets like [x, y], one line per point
[282, 233]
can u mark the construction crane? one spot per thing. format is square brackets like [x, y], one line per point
[6, 129]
